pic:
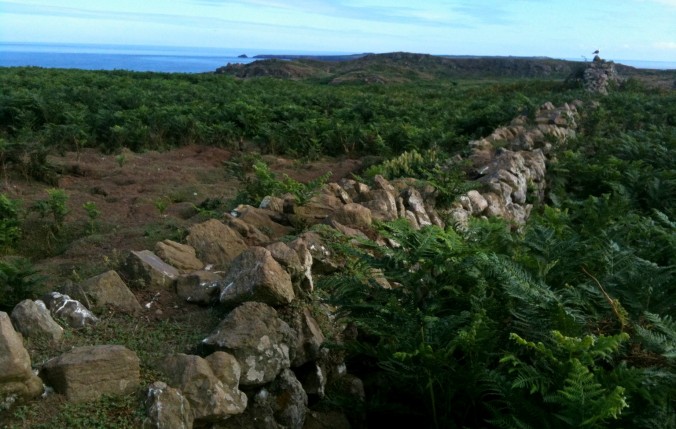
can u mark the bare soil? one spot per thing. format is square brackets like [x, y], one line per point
[129, 193]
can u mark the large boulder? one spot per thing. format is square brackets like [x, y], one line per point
[17, 381]
[70, 310]
[178, 255]
[107, 289]
[166, 408]
[216, 243]
[33, 320]
[213, 392]
[145, 270]
[258, 338]
[86, 373]
[255, 276]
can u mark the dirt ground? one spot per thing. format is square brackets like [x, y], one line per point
[131, 192]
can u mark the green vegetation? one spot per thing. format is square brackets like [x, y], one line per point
[567, 322]
[66, 110]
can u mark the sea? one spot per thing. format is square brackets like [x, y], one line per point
[171, 59]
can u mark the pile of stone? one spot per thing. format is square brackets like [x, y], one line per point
[266, 361]
[510, 165]
[598, 76]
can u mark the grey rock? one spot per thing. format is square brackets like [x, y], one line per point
[255, 276]
[210, 398]
[166, 408]
[17, 382]
[288, 400]
[353, 215]
[280, 405]
[477, 202]
[70, 310]
[181, 256]
[199, 287]
[251, 235]
[145, 270]
[309, 336]
[274, 204]
[323, 259]
[258, 338]
[215, 243]
[86, 373]
[33, 320]
[306, 282]
[266, 221]
[107, 289]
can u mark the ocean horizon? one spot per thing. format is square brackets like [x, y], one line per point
[168, 59]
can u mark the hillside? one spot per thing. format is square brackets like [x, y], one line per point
[209, 251]
[398, 67]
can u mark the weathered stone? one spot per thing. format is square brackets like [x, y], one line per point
[70, 310]
[166, 408]
[107, 289]
[353, 215]
[338, 191]
[145, 270]
[255, 276]
[323, 260]
[306, 282]
[251, 235]
[281, 405]
[317, 209]
[178, 255]
[86, 373]
[225, 368]
[309, 337]
[381, 183]
[349, 186]
[274, 204]
[216, 243]
[345, 230]
[209, 397]
[477, 202]
[288, 400]
[199, 287]
[266, 221]
[17, 381]
[258, 338]
[382, 203]
[415, 202]
[33, 320]
[287, 258]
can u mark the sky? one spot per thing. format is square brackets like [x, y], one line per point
[571, 29]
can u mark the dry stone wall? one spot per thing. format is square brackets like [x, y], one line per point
[266, 360]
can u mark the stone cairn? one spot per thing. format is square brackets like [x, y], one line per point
[265, 362]
[598, 75]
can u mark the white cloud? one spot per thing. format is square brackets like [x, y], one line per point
[668, 46]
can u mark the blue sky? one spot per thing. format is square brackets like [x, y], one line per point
[621, 29]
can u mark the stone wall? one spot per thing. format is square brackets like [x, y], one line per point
[266, 362]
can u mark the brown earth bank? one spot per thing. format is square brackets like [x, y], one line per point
[131, 190]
